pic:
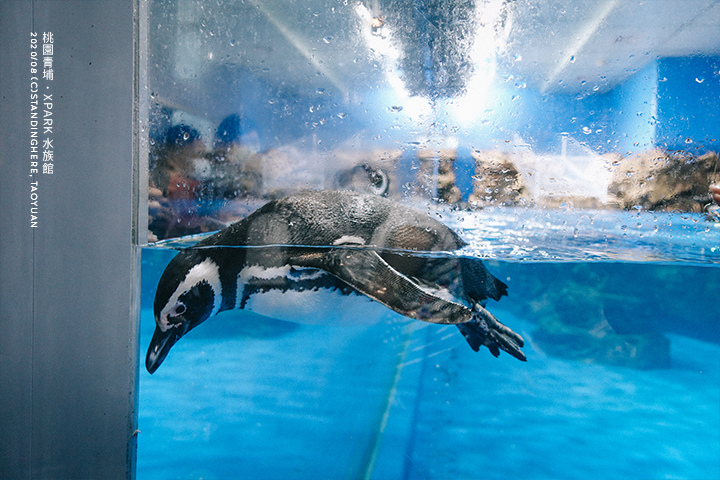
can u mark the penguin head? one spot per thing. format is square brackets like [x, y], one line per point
[364, 178]
[188, 293]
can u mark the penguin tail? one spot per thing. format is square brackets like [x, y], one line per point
[501, 288]
[479, 283]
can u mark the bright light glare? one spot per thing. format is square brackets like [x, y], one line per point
[470, 106]
[378, 38]
[414, 107]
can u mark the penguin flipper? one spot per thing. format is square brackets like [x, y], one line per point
[368, 273]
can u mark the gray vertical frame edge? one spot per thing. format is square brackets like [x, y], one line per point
[69, 289]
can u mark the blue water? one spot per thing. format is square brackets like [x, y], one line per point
[243, 396]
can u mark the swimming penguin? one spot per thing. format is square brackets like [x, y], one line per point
[282, 259]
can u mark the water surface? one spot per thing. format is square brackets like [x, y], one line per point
[243, 396]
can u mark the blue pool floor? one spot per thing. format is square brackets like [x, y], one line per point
[248, 397]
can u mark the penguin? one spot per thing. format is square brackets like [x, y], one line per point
[364, 178]
[286, 257]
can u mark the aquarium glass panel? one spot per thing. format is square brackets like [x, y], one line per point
[535, 181]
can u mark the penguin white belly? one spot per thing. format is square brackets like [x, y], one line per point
[306, 296]
[321, 307]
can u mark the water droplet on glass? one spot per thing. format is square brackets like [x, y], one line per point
[586, 130]
[395, 108]
[688, 140]
[699, 80]
[320, 91]
[342, 115]
[572, 59]
[327, 39]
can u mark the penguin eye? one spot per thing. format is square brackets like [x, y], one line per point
[178, 309]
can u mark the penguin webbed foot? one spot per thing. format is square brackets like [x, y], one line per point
[485, 329]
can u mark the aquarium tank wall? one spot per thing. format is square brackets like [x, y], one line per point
[69, 268]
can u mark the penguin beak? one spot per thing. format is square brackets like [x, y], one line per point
[160, 346]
